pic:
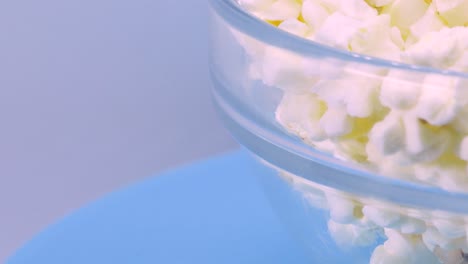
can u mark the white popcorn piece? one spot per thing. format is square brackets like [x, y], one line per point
[449, 43]
[371, 72]
[453, 177]
[397, 38]
[385, 165]
[462, 63]
[449, 175]
[405, 249]
[346, 235]
[323, 68]
[379, 3]
[336, 122]
[454, 12]
[358, 9]
[301, 113]
[314, 14]
[388, 135]
[404, 13]
[351, 149]
[460, 85]
[377, 37]
[294, 26]
[433, 238]
[313, 193]
[422, 143]
[331, 5]
[463, 152]
[361, 100]
[330, 91]
[427, 173]
[281, 10]
[348, 27]
[373, 36]
[316, 199]
[401, 89]
[428, 23]
[450, 256]
[450, 228]
[283, 69]
[327, 146]
[438, 103]
[412, 226]
[382, 217]
[256, 5]
[342, 208]
[459, 123]
[381, 256]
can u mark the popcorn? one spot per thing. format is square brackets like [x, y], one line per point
[412, 226]
[454, 12]
[413, 235]
[382, 217]
[343, 210]
[373, 36]
[347, 235]
[377, 37]
[284, 70]
[399, 123]
[351, 149]
[449, 228]
[400, 90]
[430, 22]
[357, 9]
[400, 248]
[326, 68]
[438, 104]
[379, 3]
[256, 5]
[459, 123]
[450, 43]
[295, 27]
[348, 26]
[432, 238]
[462, 63]
[314, 14]
[273, 10]
[422, 144]
[404, 13]
[453, 256]
[292, 116]
[453, 177]
[388, 136]
[463, 154]
[336, 122]
[426, 173]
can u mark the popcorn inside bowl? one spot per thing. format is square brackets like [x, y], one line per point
[395, 122]
[410, 235]
[399, 123]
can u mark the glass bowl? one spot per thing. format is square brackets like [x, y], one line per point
[362, 158]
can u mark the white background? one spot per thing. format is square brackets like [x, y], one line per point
[94, 95]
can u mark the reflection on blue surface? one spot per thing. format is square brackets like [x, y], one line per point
[211, 212]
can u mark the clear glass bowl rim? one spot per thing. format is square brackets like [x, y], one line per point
[244, 22]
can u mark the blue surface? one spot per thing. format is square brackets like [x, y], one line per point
[210, 212]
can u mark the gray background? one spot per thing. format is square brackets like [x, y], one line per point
[95, 94]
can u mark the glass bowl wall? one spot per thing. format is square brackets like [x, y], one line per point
[310, 113]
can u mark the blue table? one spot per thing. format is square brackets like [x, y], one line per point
[209, 212]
